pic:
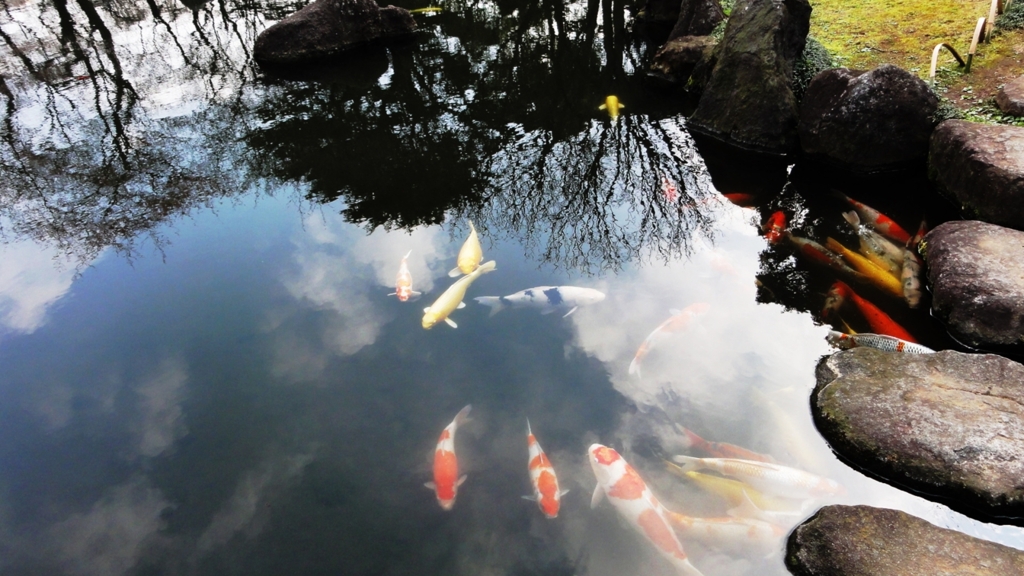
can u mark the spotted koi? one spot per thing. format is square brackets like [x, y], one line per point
[542, 476]
[446, 465]
[877, 341]
[878, 221]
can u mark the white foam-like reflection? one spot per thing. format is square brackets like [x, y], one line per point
[30, 284]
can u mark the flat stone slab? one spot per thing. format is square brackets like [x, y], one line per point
[981, 167]
[867, 541]
[976, 272]
[1010, 98]
[949, 424]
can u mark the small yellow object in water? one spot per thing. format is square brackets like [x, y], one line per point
[612, 105]
[427, 10]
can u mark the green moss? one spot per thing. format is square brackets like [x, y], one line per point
[815, 58]
[947, 111]
[719, 32]
[989, 113]
[1013, 18]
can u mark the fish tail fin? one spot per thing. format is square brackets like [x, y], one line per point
[528, 431]
[463, 416]
[687, 463]
[852, 218]
[494, 302]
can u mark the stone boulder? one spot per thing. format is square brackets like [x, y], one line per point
[976, 271]
[676, 59]
[697, 18]
[329, 27]
[981, 167]
[948, 424]
[867, 541]
[1010, 98]
[748, 100]
[867, 121]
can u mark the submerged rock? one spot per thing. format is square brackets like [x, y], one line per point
[1010, 98]
[748, 100]
[867, 121]
[947, 424]
[697, 18]
[328, 27]
[981, 166]
[676, 59]
[976, 271]
[868, 541]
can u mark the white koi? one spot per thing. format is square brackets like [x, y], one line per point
[878, 341]
[911, 273]
[766, 477]
[470, 254]
[451, 299]
[628, 492]
[547, 298]
[446, 466]
[403, 283]
[678, 322]
[746, 536]
[542, 476]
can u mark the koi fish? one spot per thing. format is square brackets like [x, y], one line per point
[879, 321]
[547, 298]
[732, 491]
[876, 247]
[403, 284]
[775, 227]
[628, 492]
[912, 264]
[818, 254]
[720, 449]
[678, 322]
[612, 105]
[668, 189]
[878, 341]
[878, 276]
[765, 476]
[470, 254]
[446, 466]
[427, 10]
[744, 536]
[542, 475]
[740, 199]
[451, 299]
[880, 222]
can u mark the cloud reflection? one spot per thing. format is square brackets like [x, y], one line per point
[29, 285]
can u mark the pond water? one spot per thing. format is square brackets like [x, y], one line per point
[202, 371]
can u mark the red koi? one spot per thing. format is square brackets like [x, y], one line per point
[879, 321]
[740, 199]
[880, 222]
[542, 476]
[775, 227]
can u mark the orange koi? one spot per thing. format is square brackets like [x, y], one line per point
[669, 189]
[542, 475]
[877, 275]
[446, 466]
[879, 321]
[678, 322]
[720, 449]
[880, 222]
[403, 284]
[775, 227]
[741, 199]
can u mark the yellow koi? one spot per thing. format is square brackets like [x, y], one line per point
[470, 254]
[732, 490]
[878, 276]
[427, 10]
[612, 105]
[451, 300]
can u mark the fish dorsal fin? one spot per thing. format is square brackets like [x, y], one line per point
[570, 311]
[430, 485]
[462, 479]
[596, 498]
[451, 323]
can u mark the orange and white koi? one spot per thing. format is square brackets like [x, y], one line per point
[775, 227]
[876, 247]
[446, 466]
[629, 494]
[765, 476]
[878, 221]
[877, 341]
[678, 322]
[470, 254]
[403, 284]
[879, 321]
[912, 264]
[878, 276]
[719, 449]
[746, 536]
[669, 189]
[542, 475]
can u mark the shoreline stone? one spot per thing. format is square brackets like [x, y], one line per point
[868, 541]
[1010, 98]
[949, 425]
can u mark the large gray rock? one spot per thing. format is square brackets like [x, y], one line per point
[976, 271]
[867, 541]
[981, 166]
[328, 27]
[947, 424]
[748, 100]
[697, 18]
[1010, 98]
[674, 62]
[867, 121]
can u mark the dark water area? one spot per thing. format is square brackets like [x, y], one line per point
[200, 367]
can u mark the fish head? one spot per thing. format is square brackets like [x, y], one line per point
[606, 463]
[593, 297]
[429, 319]
[446, 504]
[840, 340]
[403, 292]
[834, 300]
[549, 506]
